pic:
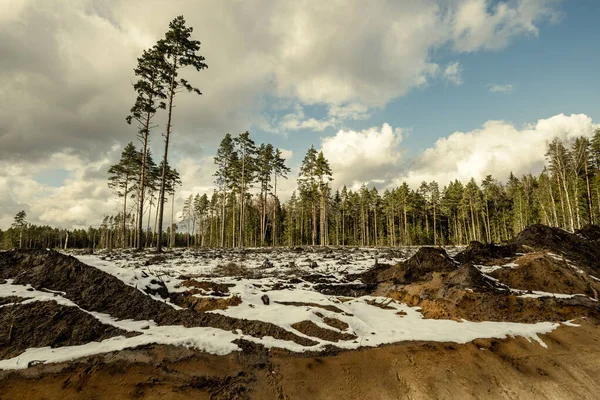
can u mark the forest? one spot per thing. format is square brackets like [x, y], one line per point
[244, 210]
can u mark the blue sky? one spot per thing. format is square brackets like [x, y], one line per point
[391, 91]
[552, 73]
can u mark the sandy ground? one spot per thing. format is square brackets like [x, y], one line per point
[490, 369]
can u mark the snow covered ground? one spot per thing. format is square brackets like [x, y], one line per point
[372, 321]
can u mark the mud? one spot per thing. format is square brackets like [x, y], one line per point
[486, 254]
[41, 324]
[419, 267]
[95, 290]
[311, 329]
[586, 253]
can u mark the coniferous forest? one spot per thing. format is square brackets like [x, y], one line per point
[245, 209]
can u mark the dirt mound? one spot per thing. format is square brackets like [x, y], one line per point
[574, 247]
[487, 306]
[539, 271]
[311, 329]
[469, 277]
[88, 287]
[46, 323]
[345, 289]
[202, 304]
[589, 232]
[479, 253]
[419, 267]
[95, 290]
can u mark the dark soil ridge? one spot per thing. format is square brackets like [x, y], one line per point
[46, 323]
[95, 290]
[420, 267]
[584, 252]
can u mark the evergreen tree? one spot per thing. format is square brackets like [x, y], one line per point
[179, 51]
[121, 180]
[150, 89]
[19, 224]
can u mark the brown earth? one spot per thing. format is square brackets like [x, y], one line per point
[458, 304]
[539, 271]
[484, 369]
[585, 252]
[207, 286]
[336, 323]
[419, 267]
[41, 324]
[202, 304]
[311, 329]
[486, 254]
[95, 290]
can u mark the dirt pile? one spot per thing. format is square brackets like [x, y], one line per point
[469, 277]
[311, 329]
[41, 324]
[541, 272]
[459, 304]
[589, 232]
[585, 252]
[419, 267]
[95, 290]
[89, 287]
[486, 254]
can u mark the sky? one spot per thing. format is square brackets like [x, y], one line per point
[390, 91]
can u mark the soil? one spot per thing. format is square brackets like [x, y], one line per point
[207, 286]
[311, 329]
[486, 254]
[336, 323]
[585, 252]
[539, 271]
[202, 304]
[95, 290]
[419, 267]
[460, 304]
[41, 324]
[511, 368]
[590, 232]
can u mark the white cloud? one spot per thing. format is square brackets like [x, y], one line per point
[498, 148]
[483, 24]
[494, 88]
[65, 70]
[452, 73]
[363, 156]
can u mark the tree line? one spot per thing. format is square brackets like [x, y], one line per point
[565, 194]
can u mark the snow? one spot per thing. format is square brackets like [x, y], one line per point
[371, 324]
[486, 269]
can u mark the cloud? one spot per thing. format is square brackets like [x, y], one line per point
[66, 70]
[497, 148]
[483, 24]
[494, 88]
[65, 67]
[363, 156]
[452, 73]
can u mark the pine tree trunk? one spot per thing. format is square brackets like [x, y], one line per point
[589, 193]
[161, 197]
